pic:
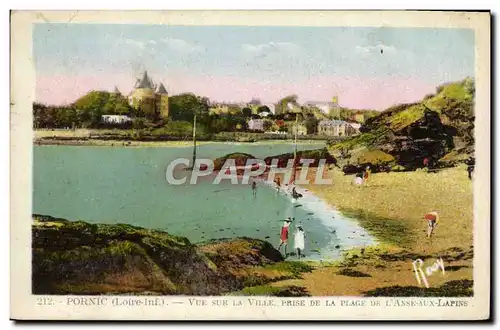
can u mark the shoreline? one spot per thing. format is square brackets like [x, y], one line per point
[329, 215]
[157, 144]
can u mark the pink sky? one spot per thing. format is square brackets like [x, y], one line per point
[354, 92]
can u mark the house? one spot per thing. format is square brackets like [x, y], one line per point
[256, 125]
[115, 119]
[335, 128]
[355, 126]
[301, 129]
[325, 107]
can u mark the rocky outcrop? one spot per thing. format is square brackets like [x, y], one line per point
[82, 258]
[316, 155]
[410, 133]
[240, 159]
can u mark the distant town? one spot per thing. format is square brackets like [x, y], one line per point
[149, 106]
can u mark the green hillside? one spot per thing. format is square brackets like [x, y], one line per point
[440, 125]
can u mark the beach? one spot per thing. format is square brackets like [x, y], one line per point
[391, 208]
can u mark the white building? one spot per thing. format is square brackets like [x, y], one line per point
[335, 128]
[256, 125]
[325, 107]
[115, 119]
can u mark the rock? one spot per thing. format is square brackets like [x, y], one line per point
[337, 246]
[82, 258]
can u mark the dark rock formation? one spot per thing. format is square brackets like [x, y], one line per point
[82, 258]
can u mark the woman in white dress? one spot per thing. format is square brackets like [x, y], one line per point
[299, 240]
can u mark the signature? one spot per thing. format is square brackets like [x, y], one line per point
[421, 275]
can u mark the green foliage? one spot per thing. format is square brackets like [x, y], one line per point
[311, 124]
[54, 117]
[94, 104]
[184, 106]
[246, 112]
[84, 112]
[175, 128]
[225, 123]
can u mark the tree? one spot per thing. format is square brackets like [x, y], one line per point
[311, 124]
[246, 112]
[93, 105]
[184, 106]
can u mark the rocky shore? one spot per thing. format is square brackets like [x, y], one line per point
[76, 257]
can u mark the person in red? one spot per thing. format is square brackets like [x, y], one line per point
[284, 234]
[432, 220]
[426, 162]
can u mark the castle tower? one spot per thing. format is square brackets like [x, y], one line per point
[161, 101]
[142, 97]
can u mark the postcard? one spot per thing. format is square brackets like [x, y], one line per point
[250, 165]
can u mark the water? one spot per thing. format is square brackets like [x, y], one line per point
[128, 185]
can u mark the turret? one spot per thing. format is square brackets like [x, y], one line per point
[161, 89]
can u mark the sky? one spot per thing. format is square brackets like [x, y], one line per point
[366, 68]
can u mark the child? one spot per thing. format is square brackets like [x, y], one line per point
[366, 174]
[284, 234]
[299, 240]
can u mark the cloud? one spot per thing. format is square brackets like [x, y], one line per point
[270, 48]
[140, 44]
[182, 46]
[174, 44]
[378, 48]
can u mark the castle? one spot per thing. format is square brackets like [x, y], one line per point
[148, 99]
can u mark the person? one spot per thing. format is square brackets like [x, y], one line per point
[299, 240]
[284, 234]
[426, 162]
[358, 179]
[254, 188]
[277, 181]
[366, 174]
[295, 194]
[470, 170]
[432, 220]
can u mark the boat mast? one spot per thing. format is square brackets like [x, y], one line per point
[295, 149]
[194, 141]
